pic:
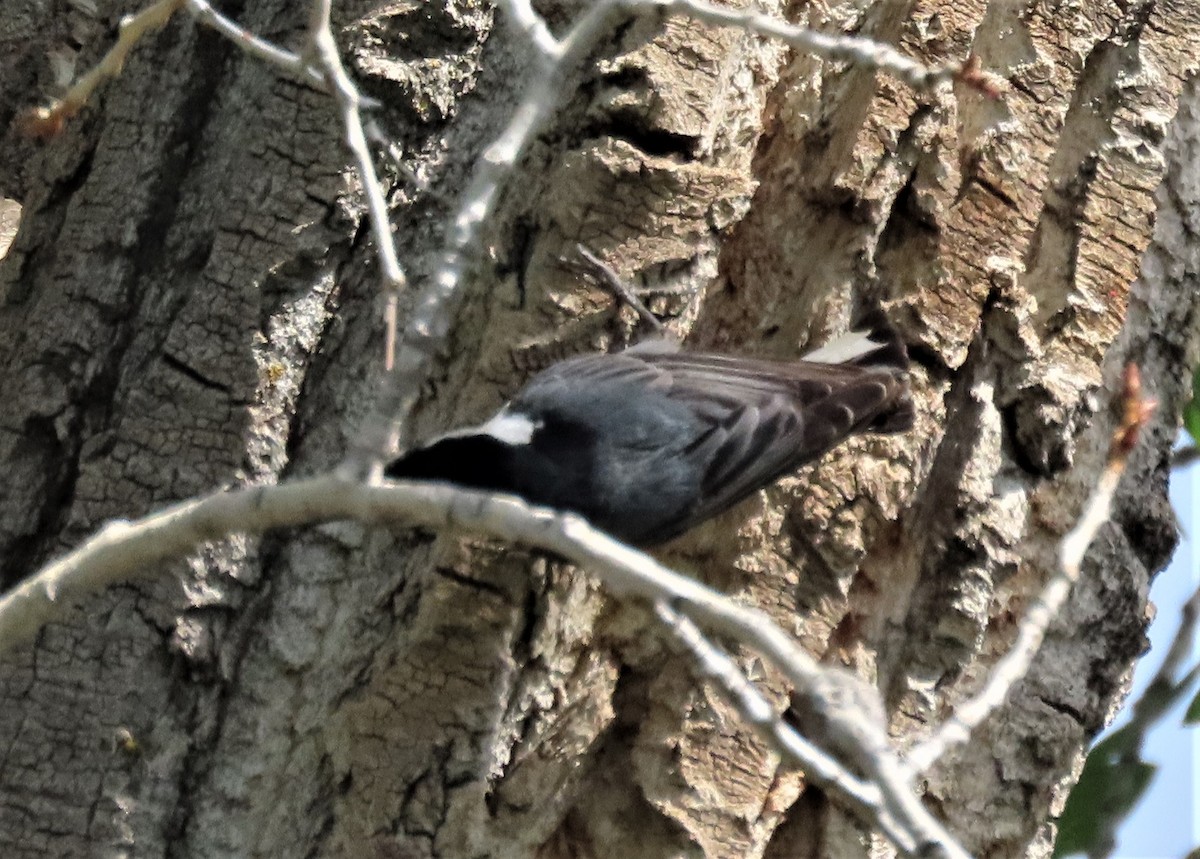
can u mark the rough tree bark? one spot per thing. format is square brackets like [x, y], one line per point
[190, 302]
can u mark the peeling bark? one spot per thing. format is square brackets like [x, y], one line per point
[190, 302]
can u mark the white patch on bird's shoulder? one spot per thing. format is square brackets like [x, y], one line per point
[509, 427]
[848, 347]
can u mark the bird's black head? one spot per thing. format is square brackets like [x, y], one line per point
[474, 461]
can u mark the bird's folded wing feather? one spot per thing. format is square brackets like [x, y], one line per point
[757, 443]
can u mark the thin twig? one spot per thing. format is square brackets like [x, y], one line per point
[859, 52]
[48, 121]
[1185, 456]
[714, 664]
[971, 713]
[324, 53]
[259, 48]
[395, 156]
[597, 269]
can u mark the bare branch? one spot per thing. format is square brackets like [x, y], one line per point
[256, 47]
[48, 121]
[1185, 456]
[593, 267]
[395, 156]
[324, 54]
[860, 52]
[1015, 664]
[529, 22]
[869, 800]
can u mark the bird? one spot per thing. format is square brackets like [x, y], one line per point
[648, 442]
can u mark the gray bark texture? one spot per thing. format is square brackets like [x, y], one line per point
[191, 302]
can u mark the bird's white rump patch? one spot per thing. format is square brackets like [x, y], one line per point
[841, 350]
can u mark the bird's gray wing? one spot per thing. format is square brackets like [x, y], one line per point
[765, 419]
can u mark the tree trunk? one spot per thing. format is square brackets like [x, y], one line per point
[191, 302]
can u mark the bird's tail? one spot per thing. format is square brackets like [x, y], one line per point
[874, 344]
